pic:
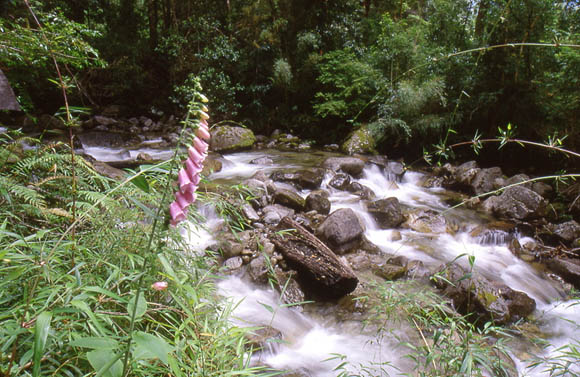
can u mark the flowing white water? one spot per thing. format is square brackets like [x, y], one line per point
[306, 343]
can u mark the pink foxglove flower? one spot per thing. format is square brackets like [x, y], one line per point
[188, 177]
[159, 285]
[200, 145]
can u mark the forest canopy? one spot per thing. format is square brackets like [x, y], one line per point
[409, 70]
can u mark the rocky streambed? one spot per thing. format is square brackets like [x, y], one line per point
[384, 223]
[506, 249]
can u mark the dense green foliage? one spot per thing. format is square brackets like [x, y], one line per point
[307, 66]
[75, 257]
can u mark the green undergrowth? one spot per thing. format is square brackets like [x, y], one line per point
[72, 247]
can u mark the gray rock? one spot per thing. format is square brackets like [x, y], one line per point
[519, 178]
[389, 271]
[567, 268]
[275, 212]
[104, 121]
[289, 199]
[262, 161]
[387, 212]
[517, 203]
[488, 300]
[340, 181]
[318, 201]
[234, 263]
[427, 221]
[258, 270]
[342, 231]
[304, 179]
[249, 213]
[484, 180]
[395, 171]
[466, 172]
[359, 141]
[350, 165]
[230, 138]
[568, 231]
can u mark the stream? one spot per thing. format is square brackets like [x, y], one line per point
[315, 341]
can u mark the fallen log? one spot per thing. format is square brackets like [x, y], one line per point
[320, 271]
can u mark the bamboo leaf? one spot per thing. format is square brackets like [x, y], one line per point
[41, 330]
[148, 346]
[95, 342]
[106, 363]
[141, 307]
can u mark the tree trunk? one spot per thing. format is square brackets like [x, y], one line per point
[320, 271]
[153, 13]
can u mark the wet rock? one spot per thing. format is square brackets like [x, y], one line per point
[274, 213]
[304, 179]
[289, 287]
[318, 201]
[289, 199]
[250, 213]
[349, 165]
[258, 270]
[359, 141]
[387, 212]
[233, 264]
[230, 138]
[262, 161]
[342, 231]
[567, 268]
[211, 164]
[484, 180]
[488, 300]
[395, 171]
[340, 181]
[466, 172]
[517, 203]
[362, 191]
[427, 221]
[389, 271]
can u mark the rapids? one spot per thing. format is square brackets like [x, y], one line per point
[314, 344]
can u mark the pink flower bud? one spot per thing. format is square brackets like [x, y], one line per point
[200, 145]
[159, 285]
[203, 122]
[202, 133]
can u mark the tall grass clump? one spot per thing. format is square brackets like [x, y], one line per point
[449, 345]
[121, 295]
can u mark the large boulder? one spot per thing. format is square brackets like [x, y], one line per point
[466, 172]
[340, 181]
[565, 232]
[342, 231]
[387, 212]
[349, 165]
[276, 212]
[488, 300]
[359, 141]
[230, 138]
[517, 203]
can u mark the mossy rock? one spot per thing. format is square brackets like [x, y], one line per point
[359, 141]
[231, 139]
